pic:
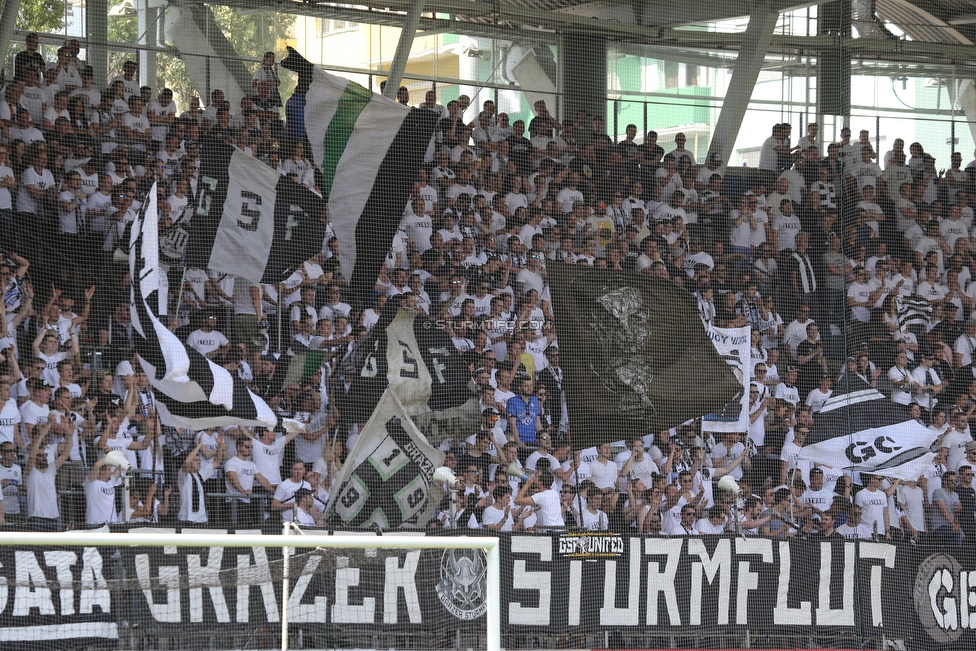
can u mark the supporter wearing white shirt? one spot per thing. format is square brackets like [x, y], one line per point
[129, 81]
[11, 478]
[240, 473]
[728, 453]
[928, 381]
[869, 212]
[911, 501]
[161, 113]
[787, 389]
[7, 182]
[35, 182]
[135, 125]
[498, 516]
[686, 525]
[635, 463]
[100, 494]
[284, 495]
[818, 396]
[205, 340]
[954, 227]
[861, 295]
[9, 413]
[269, 450]
[855, 528]
[956, 439]
[874, 505]
[965, 344]
[786, 226]
[604, 471]
[538, 493]
[196, 471]
[817, 496]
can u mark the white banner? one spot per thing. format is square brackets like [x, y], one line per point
[734, 345]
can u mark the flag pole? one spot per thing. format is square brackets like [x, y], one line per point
[281, 306]
[179, 296]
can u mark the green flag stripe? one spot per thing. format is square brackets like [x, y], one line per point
[352, 102]
[313, 362]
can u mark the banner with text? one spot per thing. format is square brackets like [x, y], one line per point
[632, 583]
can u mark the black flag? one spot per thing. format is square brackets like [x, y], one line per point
[634, 352]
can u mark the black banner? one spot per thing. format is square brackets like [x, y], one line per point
[567, 583]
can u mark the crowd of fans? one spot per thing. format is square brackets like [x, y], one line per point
[823, 245]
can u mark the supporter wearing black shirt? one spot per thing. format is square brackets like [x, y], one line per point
[967, 498]
[29, 59]
[543, 122]
[520, 148]
[477, 457]
[649, 153]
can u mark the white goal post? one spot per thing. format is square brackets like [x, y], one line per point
[371, 541]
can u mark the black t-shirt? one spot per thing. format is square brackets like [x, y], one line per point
[481, 463]
[648, 152]
[811, 371]
[332, 266]
[627, 150]
[25, 61]
[520, 153]
[444, 126]
[967, 515]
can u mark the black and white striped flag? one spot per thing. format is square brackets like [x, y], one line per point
[860, 430]
[191, 391]
[913, 311]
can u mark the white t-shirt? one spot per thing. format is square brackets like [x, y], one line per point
[493, 515]
[873, 505]
[100, 496]
[9, 419]
[604, 475]
[285, 493]
[244, 471]
[42, 496]
[11, 501]
[206, 342]
[956, 442]
[160, 110]
[190, 512]
[42, 180]
[548, 509]
[594, 521]
[268, 459]
[912, 503]
[5, 200]
[786, 228]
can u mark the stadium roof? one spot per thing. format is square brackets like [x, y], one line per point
[928, 32]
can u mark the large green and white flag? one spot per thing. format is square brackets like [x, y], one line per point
[369, 149]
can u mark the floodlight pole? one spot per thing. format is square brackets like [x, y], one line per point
[407, 33]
